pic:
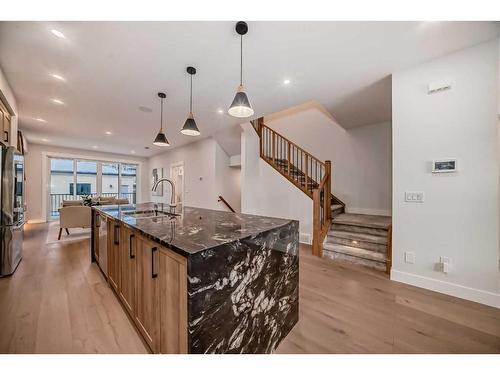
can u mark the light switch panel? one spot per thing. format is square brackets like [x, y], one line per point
[414, 196]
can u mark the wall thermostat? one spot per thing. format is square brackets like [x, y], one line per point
[444, 166]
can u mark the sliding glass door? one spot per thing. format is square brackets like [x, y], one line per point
[72, 179]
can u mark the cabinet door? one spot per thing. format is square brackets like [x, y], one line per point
[113, 254]
[128, 251]
[146, 314]
[173, 302]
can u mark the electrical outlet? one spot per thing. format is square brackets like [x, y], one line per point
[445, 264]
[414, 196]
[409, 257]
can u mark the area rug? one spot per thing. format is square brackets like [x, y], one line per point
[75, 234]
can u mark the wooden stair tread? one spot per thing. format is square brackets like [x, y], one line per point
[336, 206]
[368, 221]
[364, 237]
[355, 252]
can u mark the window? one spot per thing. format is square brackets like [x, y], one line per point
[71, 179]
[81, 188]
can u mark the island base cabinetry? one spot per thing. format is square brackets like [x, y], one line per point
[127, 258]
[113, 254]
[151, 283]
[147, 310]
[173, 302]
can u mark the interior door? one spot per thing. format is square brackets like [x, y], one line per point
[128, 250]
[177, 176]
[147, 309]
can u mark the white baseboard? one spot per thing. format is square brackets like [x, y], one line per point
[36, 221]
[456, 290]
[367, 211]
[305, 238]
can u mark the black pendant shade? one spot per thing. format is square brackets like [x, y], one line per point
[190, 127]
[241, 107]
[161, 139]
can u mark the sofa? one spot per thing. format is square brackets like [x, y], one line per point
[74, 214]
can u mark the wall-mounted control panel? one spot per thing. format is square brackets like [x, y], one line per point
[438, 86]
[414, 196]
[444, 166]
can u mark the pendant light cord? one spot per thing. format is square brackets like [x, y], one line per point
[161, 115]
[191, 96]
[241, 60]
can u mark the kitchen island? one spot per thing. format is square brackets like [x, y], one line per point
[200, 281]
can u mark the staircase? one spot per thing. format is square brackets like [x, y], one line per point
[363, 239]
[360, 239]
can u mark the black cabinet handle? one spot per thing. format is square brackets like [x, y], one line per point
[6, 138]
[153, 274]
[132, 256]
[115, 235]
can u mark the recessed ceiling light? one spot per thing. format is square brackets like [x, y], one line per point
[108, 132]
[286, 82]
[40, 119]
[58, 33]
[132, 152]
[45, 140]
[146, 147]
[57, 76]
[220, 111]
[57, 101]
[94, 146]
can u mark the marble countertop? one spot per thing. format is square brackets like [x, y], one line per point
[195, 229]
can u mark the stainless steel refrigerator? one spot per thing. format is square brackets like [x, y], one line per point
[12, 205]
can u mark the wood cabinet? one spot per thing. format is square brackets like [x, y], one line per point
[5, 120]
[113, 254]
[151, 283]
[173, 302]
[127, 259]
[147, 309]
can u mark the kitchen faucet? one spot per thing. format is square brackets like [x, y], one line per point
[172, 190]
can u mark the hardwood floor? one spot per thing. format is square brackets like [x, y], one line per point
[57, 302]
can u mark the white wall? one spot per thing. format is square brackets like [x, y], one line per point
[35, 171]
[361, 157]
[6, 94]
[227, 178]
[460, 217]
[206, 175]
[265, 192]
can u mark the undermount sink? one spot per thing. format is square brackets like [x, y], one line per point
[149, 214]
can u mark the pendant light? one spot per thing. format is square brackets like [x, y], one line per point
[241, 105]
[160, 139]
[190, 127]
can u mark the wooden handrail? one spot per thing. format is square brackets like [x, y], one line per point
[305, 171]
[221, 199]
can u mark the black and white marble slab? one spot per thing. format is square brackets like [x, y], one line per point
[243, 274]
[244, 296]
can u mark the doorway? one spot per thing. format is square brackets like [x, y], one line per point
[177, 177]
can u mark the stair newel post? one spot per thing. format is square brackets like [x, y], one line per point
[307, 173]
[273, 140]
[328, 190]
[260, 121]
[288, 158]
[317, 248]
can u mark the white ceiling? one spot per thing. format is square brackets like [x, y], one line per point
[112, 68]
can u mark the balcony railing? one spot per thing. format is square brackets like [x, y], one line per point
[56, 199]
